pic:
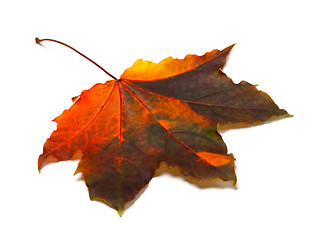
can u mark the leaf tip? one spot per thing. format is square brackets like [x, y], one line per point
[230, 47]
[40, 163]
[76, 171]
[120, 212]
[234, 183]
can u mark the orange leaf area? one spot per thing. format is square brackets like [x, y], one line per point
[166, 112]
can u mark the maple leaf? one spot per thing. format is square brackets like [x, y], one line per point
[165, 112]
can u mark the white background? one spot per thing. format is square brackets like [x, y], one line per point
[274, 195]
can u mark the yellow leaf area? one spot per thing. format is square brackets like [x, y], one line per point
[168, 67]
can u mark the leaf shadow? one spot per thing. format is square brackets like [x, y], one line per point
[230, 126]
[129, 204]
[202, 184]
[165, 169]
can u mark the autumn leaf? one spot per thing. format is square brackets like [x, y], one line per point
[165, 112]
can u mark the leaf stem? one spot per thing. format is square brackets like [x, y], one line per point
[38, 41]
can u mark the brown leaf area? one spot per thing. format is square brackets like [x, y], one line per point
[166, 112]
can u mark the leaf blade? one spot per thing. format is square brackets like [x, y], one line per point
[166, 112]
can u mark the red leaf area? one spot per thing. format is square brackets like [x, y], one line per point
[165, 112]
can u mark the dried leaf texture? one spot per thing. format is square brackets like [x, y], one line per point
[166, 112]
